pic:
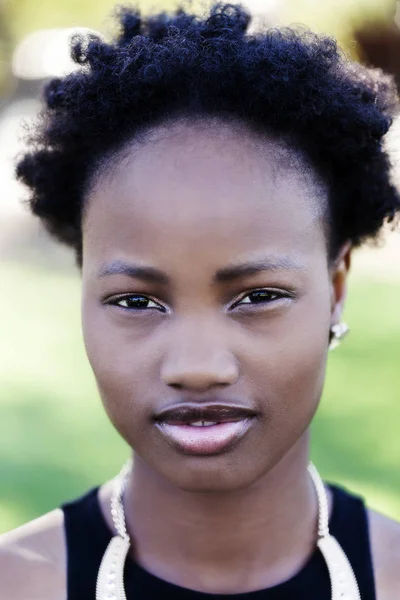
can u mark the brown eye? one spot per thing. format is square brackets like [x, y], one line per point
[262, 297]
[135, 302]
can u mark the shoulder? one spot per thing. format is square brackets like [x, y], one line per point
[33, 560]
[385, 547]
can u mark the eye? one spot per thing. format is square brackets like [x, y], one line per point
[135, 302]
[263, 296]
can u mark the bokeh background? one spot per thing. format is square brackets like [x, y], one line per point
[55, 440]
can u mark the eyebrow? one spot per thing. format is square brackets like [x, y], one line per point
[119, 267]
[274, 264]
[223, 275]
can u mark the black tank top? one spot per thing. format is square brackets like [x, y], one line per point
[87, 536]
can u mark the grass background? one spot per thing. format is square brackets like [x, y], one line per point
[55, 440]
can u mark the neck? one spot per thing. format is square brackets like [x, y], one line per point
[225, 543]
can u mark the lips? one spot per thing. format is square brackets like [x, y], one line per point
[204, 429]
[191, 413]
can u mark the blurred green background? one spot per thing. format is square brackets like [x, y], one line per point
[55, 440]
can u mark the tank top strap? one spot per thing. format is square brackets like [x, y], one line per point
[87, 537]
[350, 526]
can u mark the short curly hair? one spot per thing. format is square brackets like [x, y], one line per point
[289, 83]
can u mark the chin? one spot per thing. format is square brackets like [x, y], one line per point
[212, 476]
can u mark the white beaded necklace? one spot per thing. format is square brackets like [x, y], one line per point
[110, 578]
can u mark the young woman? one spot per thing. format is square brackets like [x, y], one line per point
[212, 184]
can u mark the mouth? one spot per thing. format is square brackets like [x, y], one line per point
[204, 430]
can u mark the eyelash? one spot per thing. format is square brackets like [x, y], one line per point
[279, 295]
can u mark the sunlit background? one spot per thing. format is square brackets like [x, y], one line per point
[55, 441]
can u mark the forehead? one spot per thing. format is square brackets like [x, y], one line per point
[200, 188]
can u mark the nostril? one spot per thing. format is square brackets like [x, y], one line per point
[176, 386]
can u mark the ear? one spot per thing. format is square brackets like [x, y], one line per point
[338, 282]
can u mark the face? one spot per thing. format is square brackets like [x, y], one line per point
[206, 280]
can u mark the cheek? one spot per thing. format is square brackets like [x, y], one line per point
[289, 366]
[121, 369]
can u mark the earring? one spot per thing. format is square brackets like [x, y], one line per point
[337, 333]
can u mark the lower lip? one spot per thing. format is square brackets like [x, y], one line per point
[206, 440]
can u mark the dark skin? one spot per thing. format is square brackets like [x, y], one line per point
[194, 201]
[190, 202]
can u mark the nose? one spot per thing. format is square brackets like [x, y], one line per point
[198, 359]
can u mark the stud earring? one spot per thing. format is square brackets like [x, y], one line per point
[337, 333]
